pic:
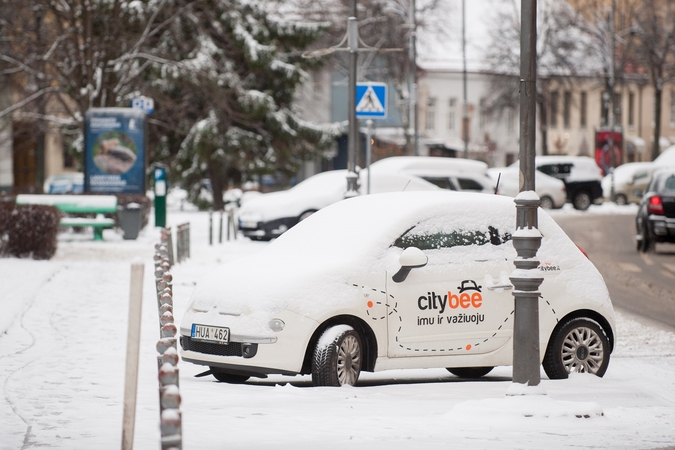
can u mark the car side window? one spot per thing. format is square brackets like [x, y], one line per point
[441, 182]
[456, 238]
[669, 185]
[467, 184]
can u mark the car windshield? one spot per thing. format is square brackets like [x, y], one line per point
[669, 185]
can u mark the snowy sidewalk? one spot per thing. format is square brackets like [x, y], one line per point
[62, 366]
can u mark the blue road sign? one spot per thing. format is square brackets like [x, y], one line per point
[371, 100]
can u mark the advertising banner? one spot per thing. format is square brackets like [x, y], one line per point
[114, 155]
[603, 155]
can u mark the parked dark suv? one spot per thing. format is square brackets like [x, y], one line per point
[655, 221]
[581, 175]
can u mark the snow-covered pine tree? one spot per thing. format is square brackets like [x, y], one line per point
[232, 93]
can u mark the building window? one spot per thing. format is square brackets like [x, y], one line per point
[582, 110]
[553, 120]
[631, 107]
[452, 113]
[431, 113]
[567, 105]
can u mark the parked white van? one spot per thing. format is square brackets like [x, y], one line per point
[448, 173]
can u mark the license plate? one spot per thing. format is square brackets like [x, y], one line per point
[208, 333]
[247, 224]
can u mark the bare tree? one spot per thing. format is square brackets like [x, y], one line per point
[560, 55]
[655, 51]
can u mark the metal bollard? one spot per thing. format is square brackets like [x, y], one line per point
[210, 227]
[220, 230]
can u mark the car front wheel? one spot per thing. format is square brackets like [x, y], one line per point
[469, 372]
[231, 378]
[337, 357]
[579, 346]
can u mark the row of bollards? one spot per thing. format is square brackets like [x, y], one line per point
[167, 347]
[231, 225]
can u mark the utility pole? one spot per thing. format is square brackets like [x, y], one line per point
[465, 107]
[353, 138]
[526, 278]
[412, 78]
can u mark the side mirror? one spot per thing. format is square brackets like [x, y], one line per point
[411, 258]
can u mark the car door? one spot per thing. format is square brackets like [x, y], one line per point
[460, 302]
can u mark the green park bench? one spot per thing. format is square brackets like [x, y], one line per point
[78, 204]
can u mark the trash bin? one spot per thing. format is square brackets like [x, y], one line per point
[130, 218]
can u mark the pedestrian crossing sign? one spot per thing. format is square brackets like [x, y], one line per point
[371, 100]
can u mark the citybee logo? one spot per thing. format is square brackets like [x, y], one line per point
[468, 296]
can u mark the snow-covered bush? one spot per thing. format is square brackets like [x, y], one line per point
[28, 231]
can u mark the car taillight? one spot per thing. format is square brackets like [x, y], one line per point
[583, 251]
[655, 205]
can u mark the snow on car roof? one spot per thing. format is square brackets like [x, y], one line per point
[403, 163]
[313, 262]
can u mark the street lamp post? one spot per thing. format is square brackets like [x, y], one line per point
[527, 239]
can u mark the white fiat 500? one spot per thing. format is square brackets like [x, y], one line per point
[392, 281]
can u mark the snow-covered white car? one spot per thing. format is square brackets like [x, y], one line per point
[64, 183]
[394, 281]
[630, 182]
[551, 191]
[267, 216]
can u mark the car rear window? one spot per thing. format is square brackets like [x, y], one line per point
[455, 238]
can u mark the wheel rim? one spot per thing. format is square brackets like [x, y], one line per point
[349, 361]
[546, 203]
[583, 201]
[620, 200]
[582, 351]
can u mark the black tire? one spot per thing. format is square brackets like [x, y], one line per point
[231, 378]
[546, 202]
[305, 215]
[647, 243]
[469, 372]
[579, 345]
[582, 201]
[339, 362]
[620, 199]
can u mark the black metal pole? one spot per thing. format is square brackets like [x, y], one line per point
[527, 239]
[353, 138]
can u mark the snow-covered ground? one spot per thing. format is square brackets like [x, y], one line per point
[62, 359]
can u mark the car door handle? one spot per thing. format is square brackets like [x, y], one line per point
[500, 286]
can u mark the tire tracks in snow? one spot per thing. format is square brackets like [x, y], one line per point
[18, 334]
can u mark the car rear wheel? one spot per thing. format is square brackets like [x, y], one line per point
[579, 346]
[546, 202]
[469, 372]
[582, 201]
[337, 357]
[229, 377]
[305, 215]
[645, 244]
[620, 199]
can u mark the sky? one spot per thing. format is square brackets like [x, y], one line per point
[62, 360]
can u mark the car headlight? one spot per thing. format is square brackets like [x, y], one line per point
[276, 325]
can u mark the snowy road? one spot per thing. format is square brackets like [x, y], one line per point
[62, 364]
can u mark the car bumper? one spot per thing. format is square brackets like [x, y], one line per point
[255, 355]
[266, 230]
[662, 227]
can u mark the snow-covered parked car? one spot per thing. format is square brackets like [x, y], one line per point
[630, 182]
[551, 191]
[64, 183]
[267, 216]
[394, 281]
[447, 173]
